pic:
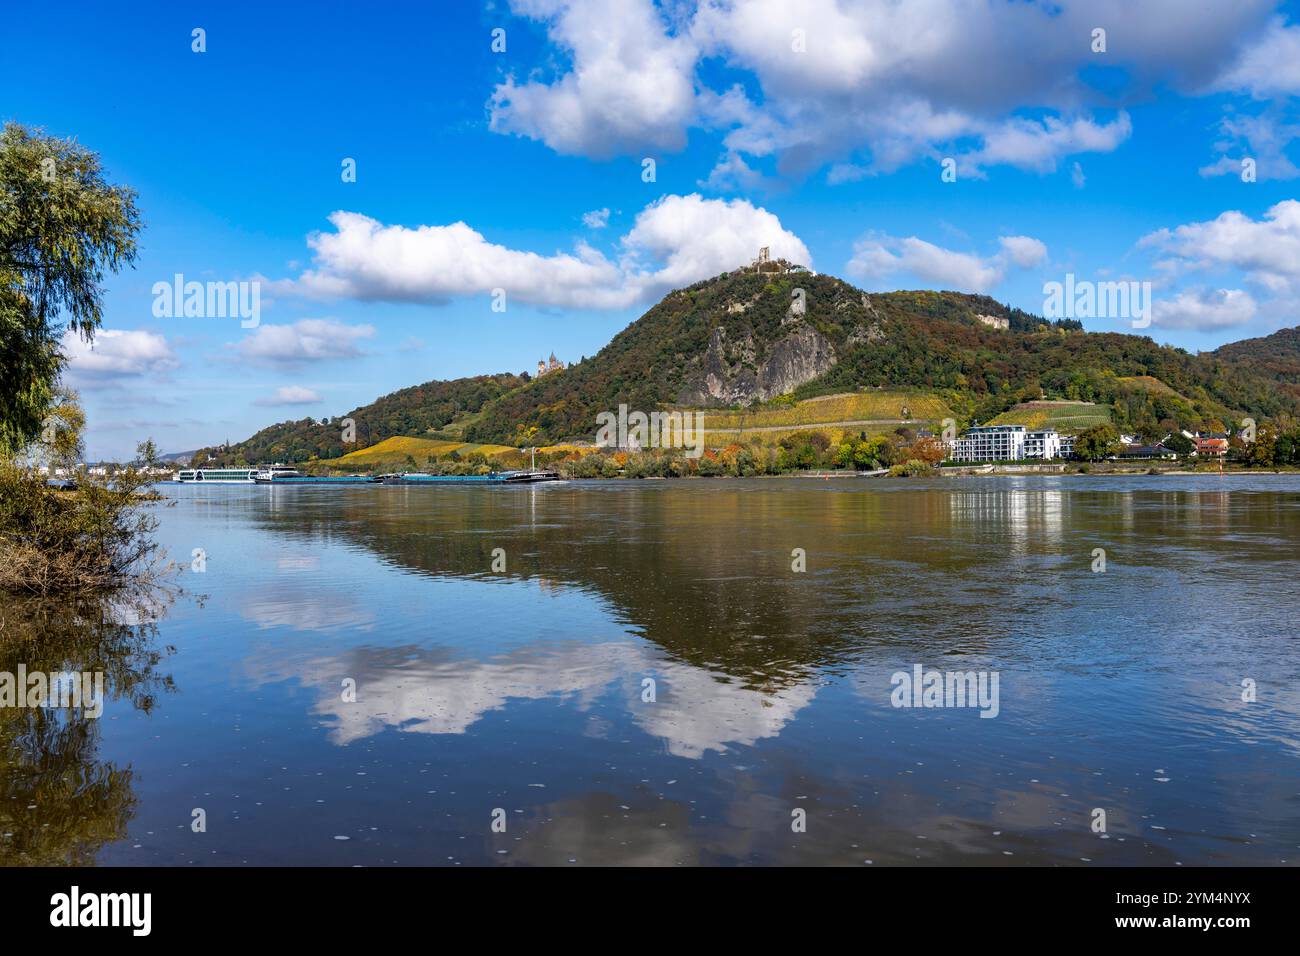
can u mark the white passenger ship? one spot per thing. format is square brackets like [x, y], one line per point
[234, 476]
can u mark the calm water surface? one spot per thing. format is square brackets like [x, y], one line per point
[525, 691]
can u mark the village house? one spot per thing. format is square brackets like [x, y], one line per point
[1147, 452]
[1211, 447]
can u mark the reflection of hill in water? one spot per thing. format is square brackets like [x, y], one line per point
[897, 572]
[704, 569]
[59, 802]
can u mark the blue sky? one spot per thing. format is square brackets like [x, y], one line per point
[821, 131]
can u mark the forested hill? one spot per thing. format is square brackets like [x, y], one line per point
[744, 337]
[1275, 356]
[417, 410]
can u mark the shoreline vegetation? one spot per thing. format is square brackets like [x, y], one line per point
[814, 457]
[896, 449]
[873, 429]
[63, 225]
[95, 537]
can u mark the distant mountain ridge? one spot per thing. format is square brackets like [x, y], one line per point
[744, 338]
[417, 411]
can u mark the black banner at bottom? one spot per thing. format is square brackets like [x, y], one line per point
[211, 905]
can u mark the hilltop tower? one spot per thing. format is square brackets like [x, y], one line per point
[545, 367]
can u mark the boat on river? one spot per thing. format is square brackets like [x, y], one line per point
[319, 480]
[285, 475]
[528, 477]
[216, 476]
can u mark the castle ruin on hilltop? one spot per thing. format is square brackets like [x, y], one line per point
[544, 367]
[765, 263]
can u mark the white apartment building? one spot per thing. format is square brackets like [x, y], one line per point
[990, 443]
[1043, 444]
[1010, 443]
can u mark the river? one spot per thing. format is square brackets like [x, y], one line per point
[683, 673]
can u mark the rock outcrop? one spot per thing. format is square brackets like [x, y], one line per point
[729, 372]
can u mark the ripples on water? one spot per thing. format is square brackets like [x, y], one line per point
[527, 690]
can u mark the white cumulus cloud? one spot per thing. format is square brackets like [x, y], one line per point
[365, 259]
[1268, 66]
[871, 85]
[308, 340]
[674, 241]
[290, 395]
[695, 238]
[1205, 310]
[1037, 144]
[116, 354]
[1267, 249]
[877, 256]
[630, 86]
[1025, 252]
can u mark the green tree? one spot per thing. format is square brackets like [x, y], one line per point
[60, 442]
[878, 452]
[819, 440]
[1096, 442]
[1261, 453]
[1287, 451]
[62, 224]
[1180, 443]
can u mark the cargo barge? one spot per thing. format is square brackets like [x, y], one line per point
[288, 475]
[500, 478]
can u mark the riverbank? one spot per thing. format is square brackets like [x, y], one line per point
[1082, 469]
[1105, 468]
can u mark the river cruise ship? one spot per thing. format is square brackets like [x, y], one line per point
[233, 476]
[225, 476]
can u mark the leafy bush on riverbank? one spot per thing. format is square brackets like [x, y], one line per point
[912, 468]
[96, 537]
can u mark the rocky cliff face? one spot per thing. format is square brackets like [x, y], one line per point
[800, 357]
[731, 373]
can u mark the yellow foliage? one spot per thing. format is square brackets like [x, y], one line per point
[883, 405]
[397, 448]
[1068, 417]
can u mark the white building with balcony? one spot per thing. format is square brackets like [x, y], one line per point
[1010, 443]
[990, 443]
[1045, 444]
